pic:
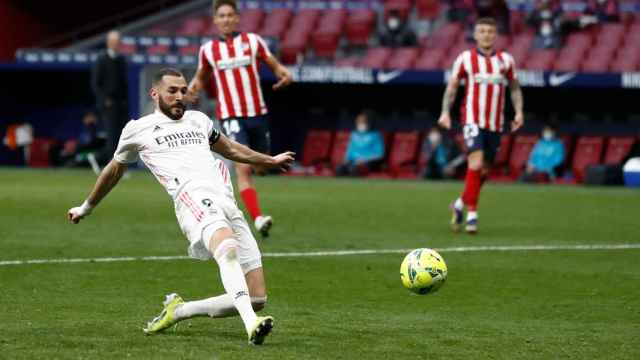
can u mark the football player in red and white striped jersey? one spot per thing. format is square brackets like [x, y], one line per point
[487, 72]
[230, 62]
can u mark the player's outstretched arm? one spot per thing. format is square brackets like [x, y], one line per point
[281, 72]
[203, 74]
[447, 101]
[107, 179]
[518, 104]
[240, 153]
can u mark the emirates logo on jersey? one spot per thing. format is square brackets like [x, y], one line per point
[181, 138]
[233, 63]
[489, 79]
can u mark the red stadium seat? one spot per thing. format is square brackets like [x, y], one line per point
[403, 153]
[502, 42]
[541, 60]
[631, 51]
[325, 43]
[359, 26]
[501, 162]
[376, 57]
[520, 47]
[401, 6]
[502, 157]
[325, 39]
[428, 9]
[39, 152]
[347, 62]
[316, 147]
[430, 59]
[522, 146]
[625, 64]
[582, 40]
[611, 33]
[251, 20]
[570, 57]
[403, 58]
[588, 152]
[444, 36]
[276, 22]
[294, 45]
[595, 64]
[567, 142]
[517, 22]
[617, 149]
[304, 21]
[339, 148]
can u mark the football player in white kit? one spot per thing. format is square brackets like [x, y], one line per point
[176, 145]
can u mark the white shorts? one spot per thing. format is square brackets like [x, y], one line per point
[201, 212]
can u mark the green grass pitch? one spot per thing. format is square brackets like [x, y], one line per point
[560, 304]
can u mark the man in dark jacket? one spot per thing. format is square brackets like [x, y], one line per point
[109, 83]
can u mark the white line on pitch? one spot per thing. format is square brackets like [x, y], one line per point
[338, 253]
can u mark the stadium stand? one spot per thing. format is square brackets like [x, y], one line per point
[344, 35]
[308, 31]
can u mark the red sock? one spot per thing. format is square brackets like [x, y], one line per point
[250, 198]
[472, 184]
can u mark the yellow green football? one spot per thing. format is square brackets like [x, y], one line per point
[423, 271]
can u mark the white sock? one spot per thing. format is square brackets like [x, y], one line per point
[215, 307]
[233, 280]
[458, 204]
[472, 215]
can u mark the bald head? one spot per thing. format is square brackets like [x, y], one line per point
[113, 40]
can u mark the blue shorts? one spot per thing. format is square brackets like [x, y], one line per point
[483, 140]
[250, 131]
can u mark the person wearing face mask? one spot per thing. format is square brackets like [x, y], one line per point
[552, 25]
[546, 156]
[547, 19]
[365, 150]
[443, 158]
[397, 32]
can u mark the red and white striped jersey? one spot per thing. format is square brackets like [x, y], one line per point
[486, 80]
[234, 64]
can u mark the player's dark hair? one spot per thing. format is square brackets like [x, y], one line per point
[157, 77]
[487, 21]
[217, 4]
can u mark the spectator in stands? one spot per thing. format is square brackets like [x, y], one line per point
[397, 32]
[546, 156]
[552, 25]
[442, 155]
[458, 10]
[75, 152]
[365, 151]
[547, 18]
[604, 10]
[495, 9]
[109, 83]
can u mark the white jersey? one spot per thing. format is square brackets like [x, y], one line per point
[176, 151]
